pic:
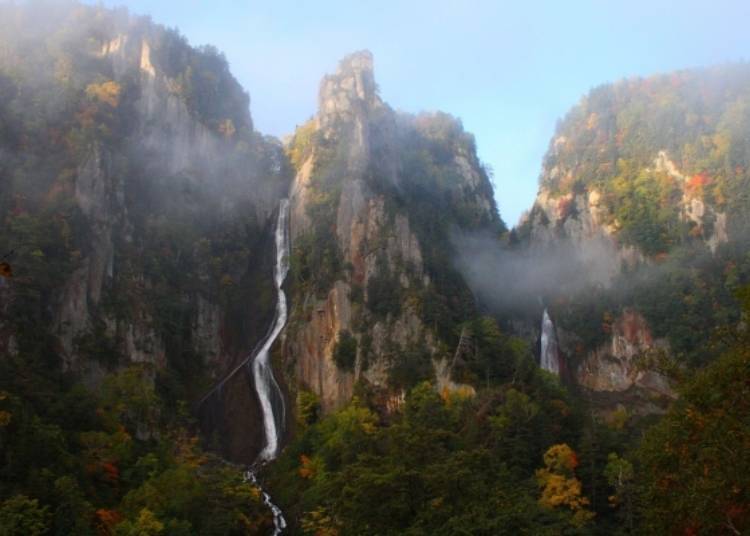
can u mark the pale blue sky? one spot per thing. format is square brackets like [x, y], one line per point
[509, 70]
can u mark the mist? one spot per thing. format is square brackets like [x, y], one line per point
[504, 278]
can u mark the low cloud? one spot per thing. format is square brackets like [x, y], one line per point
[505, 278]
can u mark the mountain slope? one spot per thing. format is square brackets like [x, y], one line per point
[375, 199]
[137, 200]
[654, 171]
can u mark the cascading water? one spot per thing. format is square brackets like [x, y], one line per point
[269, 394]
[259, 361]
[265, 383]
[549, 356]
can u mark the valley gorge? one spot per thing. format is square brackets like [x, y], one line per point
[202, 317]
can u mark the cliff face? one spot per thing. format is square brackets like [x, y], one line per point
[357, 166]
[614, 366]
[138, 200]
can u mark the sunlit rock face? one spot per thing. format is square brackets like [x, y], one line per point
[357, 146]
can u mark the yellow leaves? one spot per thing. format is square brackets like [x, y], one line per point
[562, 408]
[106, 92]
[148, 524]
[457, 394]
[618, 418]
[560, 459]
[319, 523]
[188, 451]
[558, 490]
[301, 145]
[560, 487]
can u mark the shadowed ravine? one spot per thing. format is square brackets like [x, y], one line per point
[259, 360]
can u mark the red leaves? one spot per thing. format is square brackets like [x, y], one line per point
[106, 520]
[696, 184]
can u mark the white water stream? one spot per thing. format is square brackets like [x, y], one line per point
[549, 356]
[269, 394]
[265, 384]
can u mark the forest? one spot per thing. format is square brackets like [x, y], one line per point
[137, 210]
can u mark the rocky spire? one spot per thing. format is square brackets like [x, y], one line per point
[350, 92]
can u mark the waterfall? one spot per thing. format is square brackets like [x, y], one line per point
[549, 357]
[259, 362]
[269, 394]
[271, 399]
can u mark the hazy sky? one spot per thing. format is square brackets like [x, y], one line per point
[509, 70]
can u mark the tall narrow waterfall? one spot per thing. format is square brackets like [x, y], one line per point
[269, 394]
[549, 356]
[271, 399]
[259, 364]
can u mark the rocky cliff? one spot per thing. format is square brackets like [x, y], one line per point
[369, 260]
[139, 201]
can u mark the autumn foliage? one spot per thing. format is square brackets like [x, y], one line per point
[106, 92]
[559, 485]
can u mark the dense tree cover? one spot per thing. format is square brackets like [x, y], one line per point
[116, 456]
[699, 117]
[523, 457]
[435, 469]
[694, 463]
[439, 203]
[69, 114]
[684, 298]
[113, 462]
[610, 144]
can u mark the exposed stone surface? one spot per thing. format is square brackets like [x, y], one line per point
[614, 367]
[582, 217]
[312, 348]
[353, 118]
[694, 209]
[173, 142]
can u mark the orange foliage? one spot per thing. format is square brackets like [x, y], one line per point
[307, 470]
[106, 520]
[696, 184]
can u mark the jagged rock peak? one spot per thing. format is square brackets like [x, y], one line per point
[351, 88]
